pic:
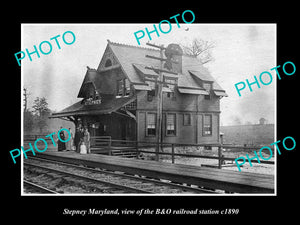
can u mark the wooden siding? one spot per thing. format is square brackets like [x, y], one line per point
[182, 102]
[184, 133]
[195, 105]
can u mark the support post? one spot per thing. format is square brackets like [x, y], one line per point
[173, 157]
[109, 147]
[220, 155]
[220, 150]
[137, 149]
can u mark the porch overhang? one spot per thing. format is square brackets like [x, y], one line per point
[80, 109]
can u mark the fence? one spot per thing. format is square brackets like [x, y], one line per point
[138, 147]
[33, 137]
[106, 145]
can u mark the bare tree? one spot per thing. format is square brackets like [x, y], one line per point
[25, 94]
[200, 49]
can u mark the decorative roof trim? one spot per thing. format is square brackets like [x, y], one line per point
[131, 46]
[141, 47]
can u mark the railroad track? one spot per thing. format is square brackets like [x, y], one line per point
[105, 181]
[71, 182]
[35, 188]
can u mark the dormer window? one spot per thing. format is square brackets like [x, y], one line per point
[207, 87]
[170, 83]
[152, 84]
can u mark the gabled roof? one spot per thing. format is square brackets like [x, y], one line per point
[98, 80]
[128, 55]
[105, 107]
[204, 75]
[133, 61]
[90, 78]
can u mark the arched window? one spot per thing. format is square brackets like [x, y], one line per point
[108, 63]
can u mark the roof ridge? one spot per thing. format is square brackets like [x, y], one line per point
[131, 46]
[141, 47]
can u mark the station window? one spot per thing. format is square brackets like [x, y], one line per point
[207, 87]
[171, 95]
[171, 124]
[108, 63]
[120, 87]
[123, 88]
[150, 95]
[151, 124]
[127, 87]
[207, 125]
[207, 97]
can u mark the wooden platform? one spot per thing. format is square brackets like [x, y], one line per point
[230, 181]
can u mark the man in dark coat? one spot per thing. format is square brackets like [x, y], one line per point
[61, 145]
[77, 139]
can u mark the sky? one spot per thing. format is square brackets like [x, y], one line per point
[241, 52]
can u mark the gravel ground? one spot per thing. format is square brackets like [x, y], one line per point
[230, 165]
[256, 168]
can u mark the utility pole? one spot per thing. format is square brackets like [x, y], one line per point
[159, 94]
[159, 107]
[159, 97]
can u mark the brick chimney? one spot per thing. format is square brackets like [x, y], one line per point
[174, 54]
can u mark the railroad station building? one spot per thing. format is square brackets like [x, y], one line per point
[119, 98]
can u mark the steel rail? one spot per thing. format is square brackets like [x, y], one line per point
[119, 186]
[39, 187]
[162, 183]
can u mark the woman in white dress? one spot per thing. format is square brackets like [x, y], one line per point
[86, 139]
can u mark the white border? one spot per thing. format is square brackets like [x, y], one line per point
[116, 195]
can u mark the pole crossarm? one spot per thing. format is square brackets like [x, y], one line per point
[163, 82]
[156, 46]
[160, 70]
[161, 59]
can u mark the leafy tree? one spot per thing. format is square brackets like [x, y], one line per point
[40, 106]
[41, 112]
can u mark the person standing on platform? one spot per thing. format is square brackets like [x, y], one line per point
[81, 134]
[69, 144]
[61, 145]
[80, 137]
[77, 139]
[86, 139]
